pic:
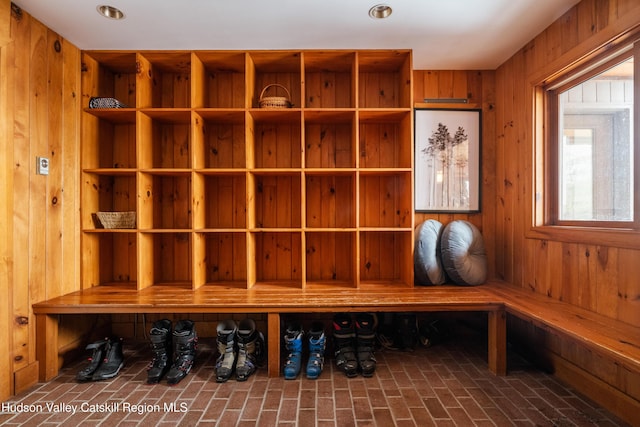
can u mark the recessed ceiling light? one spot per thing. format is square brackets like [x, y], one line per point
[110, 12]
[380, 11]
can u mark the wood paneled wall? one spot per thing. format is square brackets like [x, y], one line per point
[40, 248]
[478, 87]
[594, 274]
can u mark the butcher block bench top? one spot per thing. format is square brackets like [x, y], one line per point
[213, 299]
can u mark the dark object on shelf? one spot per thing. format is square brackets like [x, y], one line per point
[102, 102]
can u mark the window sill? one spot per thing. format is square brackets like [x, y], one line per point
[615, 237]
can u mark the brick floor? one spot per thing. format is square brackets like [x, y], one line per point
[444, 385]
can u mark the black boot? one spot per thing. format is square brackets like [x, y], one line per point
[365, 337]
[406, 326]
[185, 343]
[160, 335]
[95, 360]
[344, 344]
[112, 362]
[251, 348]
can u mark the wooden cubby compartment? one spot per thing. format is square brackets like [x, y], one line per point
[224, 256]
[115, 254]
[277, 139]
[109, 75]
[329, 139]
[225, 201]
[275, 68]
[165, 201]
[385, 200]
[278, 258]
[164, 80]
[219, 139]
[165, 139]
[277, 200]
[382, 139]
[228, 194]
[219, 79]
[107, 192]
[330, 258]
[110, 137]
[330, 200]
[329, 79]
[166, 259]
[384, 79]
[386, 258]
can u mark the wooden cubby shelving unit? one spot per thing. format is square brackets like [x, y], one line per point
[227, 194]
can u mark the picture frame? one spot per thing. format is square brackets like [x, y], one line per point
[447, 159]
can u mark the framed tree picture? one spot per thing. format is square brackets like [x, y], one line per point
[447, 160]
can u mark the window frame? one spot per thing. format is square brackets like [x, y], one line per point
[546, 156]
[553, 93]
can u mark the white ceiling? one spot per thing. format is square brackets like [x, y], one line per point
[444, 34]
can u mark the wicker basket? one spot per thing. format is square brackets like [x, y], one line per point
[274, 101]
[115, 219]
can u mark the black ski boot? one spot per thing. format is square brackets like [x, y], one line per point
[185, 343]
[160, 335]
[406, 326]
[112, 362]
[365, 338]
[227, 354]
[344, 344]
[251, 346]
[95, 360]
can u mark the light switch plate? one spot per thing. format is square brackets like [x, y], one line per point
[42, 166]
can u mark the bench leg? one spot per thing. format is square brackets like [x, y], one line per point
[498, 342]
[47, 346]
[273, 344]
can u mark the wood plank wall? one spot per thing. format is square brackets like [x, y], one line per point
[478, 88]
[40, 248]
[595, 275]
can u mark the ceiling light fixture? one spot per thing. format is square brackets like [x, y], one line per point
[110, 12]
[380, 11]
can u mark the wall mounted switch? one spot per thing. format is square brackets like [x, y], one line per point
[42, 166]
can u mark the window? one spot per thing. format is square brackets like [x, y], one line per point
[591, 178]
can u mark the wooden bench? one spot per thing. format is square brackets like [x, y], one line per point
[613, 339]
[273, 301]
[614, 347]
